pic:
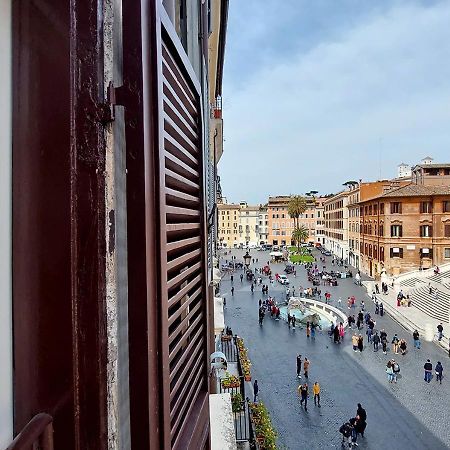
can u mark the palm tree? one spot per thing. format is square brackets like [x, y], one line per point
[299, 235]
[296, 206]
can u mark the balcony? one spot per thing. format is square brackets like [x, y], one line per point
[38, 433]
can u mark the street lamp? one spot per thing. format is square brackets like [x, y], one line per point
[247, 259]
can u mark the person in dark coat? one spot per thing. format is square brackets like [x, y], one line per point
[360, 343]
[336, 335]
[299, 366]
[255, 390]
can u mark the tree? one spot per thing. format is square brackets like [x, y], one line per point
[296, 206]
[299, 235]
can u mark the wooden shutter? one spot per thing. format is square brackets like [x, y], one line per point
[183, 240]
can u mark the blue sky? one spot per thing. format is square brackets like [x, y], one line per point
[317, 92]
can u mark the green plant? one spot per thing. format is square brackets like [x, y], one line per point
[265, 433]
[243, 356]
[230, 381]
[236, 402]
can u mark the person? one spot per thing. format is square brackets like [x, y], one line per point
[355, 342]
[339, 302]
[341, 331]
[316, 392]
[395, 342]
[346, 431]
[376, 341]
[395, 370]
[289, 320]
[440, 329]
[390, 372]
[439, 369]
[308, 330]
[377, 307]
[360, 343]
[303, 390]
[361, 416]
[403, 347]
[232, 290]
[383, 338]
[306, 364]
[363, 305]
[232, 278]
[428, 367]
[381, 309]
[242, 277]
[252, 288]
[336, 335]
[299, 366]
[377, 289]
[313, 331]
[261, 315]
[416, 339]
[255, 390]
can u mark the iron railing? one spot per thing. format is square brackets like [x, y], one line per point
[37, 434]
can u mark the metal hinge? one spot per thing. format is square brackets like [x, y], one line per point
[115, 96]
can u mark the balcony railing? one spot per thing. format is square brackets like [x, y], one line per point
[38, 431]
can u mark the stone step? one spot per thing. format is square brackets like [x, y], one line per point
[438, 309]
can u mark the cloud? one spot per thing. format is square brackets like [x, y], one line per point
[376, 91]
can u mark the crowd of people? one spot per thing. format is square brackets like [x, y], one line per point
[359, 324]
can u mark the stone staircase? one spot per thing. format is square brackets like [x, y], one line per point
[438, 309]
[412, 282]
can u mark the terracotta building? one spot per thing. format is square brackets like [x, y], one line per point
[405, 228]
[281, 225]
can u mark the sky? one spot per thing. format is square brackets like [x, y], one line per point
[319, 92]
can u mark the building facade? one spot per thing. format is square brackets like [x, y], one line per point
[228, 224]
[109, 315]
[281, 225]
[354, 226]
[407, 228]
[336, 224]
[319, 210]
[248, 224]
[263, 225]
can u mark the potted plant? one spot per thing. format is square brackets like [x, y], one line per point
[236, 403]
[244, 359]
[230, 381]
[266, 435]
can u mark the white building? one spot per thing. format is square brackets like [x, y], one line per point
[404, 170]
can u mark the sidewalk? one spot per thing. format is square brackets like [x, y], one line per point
[410, 317]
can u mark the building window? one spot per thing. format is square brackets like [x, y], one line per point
[426, 207]
[396, 252]
[396, 231]
[447, 230]
[426, 231]
[396, 208]
[381, 253]
[446, 206]
[447, 253]
[381, 208]
[375, 209]
[426, 253]
[381, 230]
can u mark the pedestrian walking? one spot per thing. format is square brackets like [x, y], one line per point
[383, 338]
[360, 343]
[341, 331]
[428, 367]
[255, 391]
[416, 339]
[303, 390]
[440, 330]
[395, 344]
[316, 392]
[395, 370]
[381, 309]
[242, 277]
[376, 341]
[439, 369]
[390, 372]
[306, 365]
[232, 278]
[339, 302]
[313, 331]
[308, 330]
[355, 342]
[402, 347]
[361, 423]
[232, 290]
[299, 366]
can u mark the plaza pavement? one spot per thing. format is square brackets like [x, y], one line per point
[408, 415]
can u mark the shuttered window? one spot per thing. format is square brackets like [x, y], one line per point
[182, 206]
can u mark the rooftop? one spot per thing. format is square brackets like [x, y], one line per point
[433, 166]
[413, 190]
